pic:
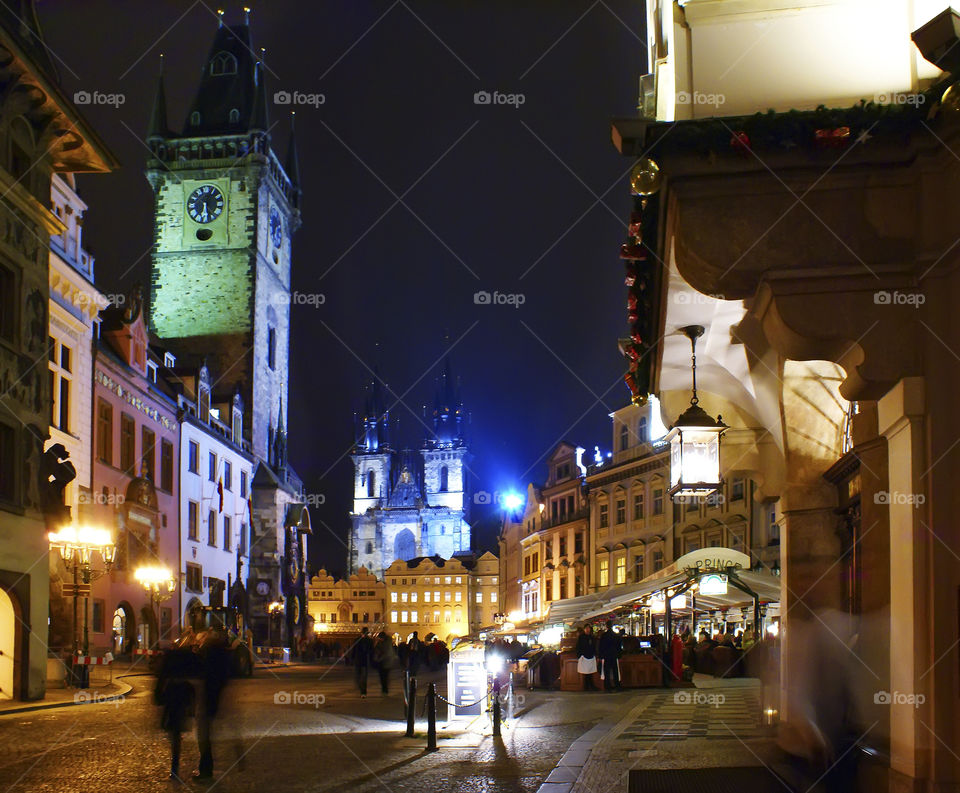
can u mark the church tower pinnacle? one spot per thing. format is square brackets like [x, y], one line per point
[225, 212]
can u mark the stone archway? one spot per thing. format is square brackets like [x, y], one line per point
[124, 629]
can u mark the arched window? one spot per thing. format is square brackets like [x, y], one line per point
[371, 484]
[624, 437]
[642, 429]
[444, 478]
[234, 116]
[223, 63]
[404, 546]
[369, 547]
[195, 118]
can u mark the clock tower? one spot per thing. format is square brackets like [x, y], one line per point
[226, 207]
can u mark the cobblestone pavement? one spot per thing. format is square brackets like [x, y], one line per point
[684, 728]
[300, 728]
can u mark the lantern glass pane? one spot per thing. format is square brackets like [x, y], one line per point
[675, 459]
[700, 457]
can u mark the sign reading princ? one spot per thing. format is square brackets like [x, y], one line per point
[712, 559]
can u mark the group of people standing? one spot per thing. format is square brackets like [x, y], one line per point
[605, 648]
[385, 656]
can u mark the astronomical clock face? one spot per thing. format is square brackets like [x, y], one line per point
[263, 588]
[276, 227]
[205, 204]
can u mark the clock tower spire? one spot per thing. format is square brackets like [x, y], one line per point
[225, 210]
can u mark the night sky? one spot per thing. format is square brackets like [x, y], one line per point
[414, 199]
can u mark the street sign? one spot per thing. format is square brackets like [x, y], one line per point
[76, 590]
[466, 682]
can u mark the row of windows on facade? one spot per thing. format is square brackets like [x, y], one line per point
[448, 596]
[128, 435]
[195, 581]
[436, 580]
[371, 478]
[226, 476]
[639, 504]
[329, 593]
[563, 588]
[413, 617]
[193, 529]
[354, 617]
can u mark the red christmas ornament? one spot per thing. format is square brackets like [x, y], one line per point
[740, 141]
[832, 138]
[637, 338]
[632, 251]
[631, 277]
[635, 227]
[632, 302]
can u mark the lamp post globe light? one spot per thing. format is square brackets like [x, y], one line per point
[77, 546]
[694, 442]
[160, 584]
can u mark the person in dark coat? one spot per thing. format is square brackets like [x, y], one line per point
[586, 652]
[214, 654]
[362, 656]
[414, 649]
[610, 648]
[385, 658]
[175, 693]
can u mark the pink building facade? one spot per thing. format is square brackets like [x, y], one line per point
[134, 483]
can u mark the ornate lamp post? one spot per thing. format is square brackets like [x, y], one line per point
[160, 584]
[76, 545]
[695, 442]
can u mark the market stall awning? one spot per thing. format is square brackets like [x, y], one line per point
[574, 609]
[688, 568]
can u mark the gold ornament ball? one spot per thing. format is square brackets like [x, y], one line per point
[950, 101]
[645, 177]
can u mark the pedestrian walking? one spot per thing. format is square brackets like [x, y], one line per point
[175, 693]
[362, 656]
[610, 648]
[587, 657]
[385, 659]
[414, 649]
[214, 655]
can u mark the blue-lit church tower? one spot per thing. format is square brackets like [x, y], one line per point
[407, 505]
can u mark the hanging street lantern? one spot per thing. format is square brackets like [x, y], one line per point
[694, 442]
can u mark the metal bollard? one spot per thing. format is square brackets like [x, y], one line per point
[432, 717]
[496, 706]
[411, 706]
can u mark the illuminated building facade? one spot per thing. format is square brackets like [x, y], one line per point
[42, 134]
[419, 509]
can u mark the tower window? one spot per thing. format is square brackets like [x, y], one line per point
[223, 63]
[444, 479]
[195, 118]
[234, 116]
[272, 348]
[371, 484]
[369, 547]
